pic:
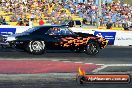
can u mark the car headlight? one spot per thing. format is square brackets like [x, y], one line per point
[10, 39]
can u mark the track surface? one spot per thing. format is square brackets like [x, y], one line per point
[52, 81]
[108, 56]
[42, 66]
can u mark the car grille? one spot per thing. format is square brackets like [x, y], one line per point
[3, 38]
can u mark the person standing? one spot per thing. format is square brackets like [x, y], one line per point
[30, 23]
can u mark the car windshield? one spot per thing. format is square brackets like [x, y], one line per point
[65, 22]
[59, 31]
[66, 31]
[70, 30]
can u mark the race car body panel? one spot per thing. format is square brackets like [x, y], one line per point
[54, 37]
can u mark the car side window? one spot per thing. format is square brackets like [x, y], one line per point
[71, 23]
[78, 23]
[58, 31]
[65, 31]
[53, 31]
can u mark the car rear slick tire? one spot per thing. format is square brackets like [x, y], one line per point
[36, 47]
[92, 48]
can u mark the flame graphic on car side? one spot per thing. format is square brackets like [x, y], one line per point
[67, 41]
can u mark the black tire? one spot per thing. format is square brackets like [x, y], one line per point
[92, 48]
[36, 47]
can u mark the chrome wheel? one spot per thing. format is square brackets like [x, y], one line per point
[36, 47]
[92, 48]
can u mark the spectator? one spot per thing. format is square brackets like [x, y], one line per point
[109, 25]
[20, 23]
[1, 19]
[26, 22]
[30, 23]
[87, 9]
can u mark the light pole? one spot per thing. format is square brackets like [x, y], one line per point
[122, 2]
[99, 13]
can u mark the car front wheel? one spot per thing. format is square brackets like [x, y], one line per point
[92, 48]
[36, 47]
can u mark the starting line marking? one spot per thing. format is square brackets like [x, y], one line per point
[98, 69]
[119, 65]
[108, 65]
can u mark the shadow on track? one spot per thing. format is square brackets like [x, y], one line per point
[116, 52]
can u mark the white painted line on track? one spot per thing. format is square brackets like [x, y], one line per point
[108, 65]
[88, 63]
[99, 64]
[98, 69]
[78, 62]
[66, 61]
[54, 60]
[119, 64]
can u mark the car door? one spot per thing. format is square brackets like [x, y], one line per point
[53, 38]
[67, 38]
[61, 38]
[43, 34]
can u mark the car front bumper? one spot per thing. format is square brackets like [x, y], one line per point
[104, 44]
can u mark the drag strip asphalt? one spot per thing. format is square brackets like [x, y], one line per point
[111, 59]
[110, 55]
[55, 80]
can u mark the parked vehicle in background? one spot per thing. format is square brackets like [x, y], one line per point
[76, 23]
[129, 28]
